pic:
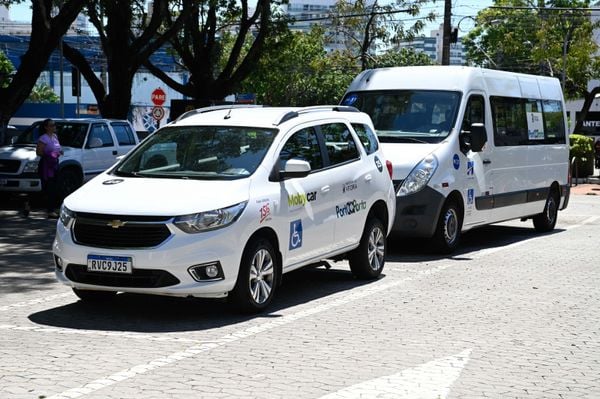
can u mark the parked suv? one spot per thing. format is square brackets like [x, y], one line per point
[90, 147]
[225, 200]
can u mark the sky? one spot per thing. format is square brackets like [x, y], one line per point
[460, 10]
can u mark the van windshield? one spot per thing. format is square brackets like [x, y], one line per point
[199, 152]
[412, 116]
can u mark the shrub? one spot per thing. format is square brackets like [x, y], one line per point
[582, 148]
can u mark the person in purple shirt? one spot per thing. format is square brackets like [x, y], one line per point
[49, 150]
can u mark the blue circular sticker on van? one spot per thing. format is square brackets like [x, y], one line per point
[456, 161]
[351, 99]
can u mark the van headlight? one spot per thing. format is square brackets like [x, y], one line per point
[209, 220]
[31, 167]
[66, 216]
[419, 177]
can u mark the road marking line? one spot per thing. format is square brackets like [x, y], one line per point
[310, 310]
[120, 334]
[35, 301]
[431, 380]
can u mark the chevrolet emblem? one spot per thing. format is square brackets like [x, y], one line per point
[115, 224]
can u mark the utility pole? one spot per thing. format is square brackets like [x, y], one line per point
[447, 30]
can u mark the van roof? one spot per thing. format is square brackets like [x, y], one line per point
[461, 79]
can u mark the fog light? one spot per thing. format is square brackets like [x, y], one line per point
[207, 272]
[58, 262]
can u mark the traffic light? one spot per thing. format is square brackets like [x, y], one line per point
[75, 82]
[454, 35]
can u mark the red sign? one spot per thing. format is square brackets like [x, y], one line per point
[158, 113]
[158, 97]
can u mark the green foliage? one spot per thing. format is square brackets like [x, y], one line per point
[42, 93]
[553, 38]
[402, 57]
[581, 147]
[6, 68]
[297, 71]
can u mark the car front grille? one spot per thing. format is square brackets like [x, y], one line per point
[139, 278]
[111, 231]
[9, 166]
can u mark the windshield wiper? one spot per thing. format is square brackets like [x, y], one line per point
[126, 174]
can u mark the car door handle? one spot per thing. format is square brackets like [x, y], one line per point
[325, 189]
[368, 177]
[487, 162]
[115, 152]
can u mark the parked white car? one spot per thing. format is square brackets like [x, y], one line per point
[90, 147]
[225, 200]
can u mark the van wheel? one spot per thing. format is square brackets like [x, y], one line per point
[447, 232]
[368, 259]
[546, 220]
[257, 278]
[94, 296]
[67, 182]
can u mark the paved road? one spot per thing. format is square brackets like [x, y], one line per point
[513, 314]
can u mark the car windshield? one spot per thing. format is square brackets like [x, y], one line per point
[70, 134]
[199, 152]
[412, 116]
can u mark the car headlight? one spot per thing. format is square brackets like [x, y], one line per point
[209, 220]
[31, 167]
[419, 177]
[66, 216]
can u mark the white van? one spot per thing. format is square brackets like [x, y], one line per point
[469, 146]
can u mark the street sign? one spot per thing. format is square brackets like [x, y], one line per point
[158, 97]
[158, 113]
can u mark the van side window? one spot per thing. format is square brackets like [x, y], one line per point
[367, 137]
[341, 146]
[303, 145]
[519, 121]
[474, 113]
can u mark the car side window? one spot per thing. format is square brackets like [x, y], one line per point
[124, 134]
[100, 132]
[341, 146]
[474, 113]
[367, 137]
[303, 145]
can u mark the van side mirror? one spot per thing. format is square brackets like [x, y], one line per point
[473, 140]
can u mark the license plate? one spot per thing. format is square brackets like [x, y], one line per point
[109, 264]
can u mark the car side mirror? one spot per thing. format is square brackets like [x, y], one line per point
[95, 142]
[473, 140]
[13, 139]
[292, 168]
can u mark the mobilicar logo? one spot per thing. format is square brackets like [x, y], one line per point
[349, 208]
[301, 199]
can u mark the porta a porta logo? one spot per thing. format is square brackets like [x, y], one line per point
[300, 199]
[350, 208]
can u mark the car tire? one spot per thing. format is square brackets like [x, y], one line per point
[68, 181]
[448, 230]
[94, 296]
[257, 277]
[545, 221]
[368, 259]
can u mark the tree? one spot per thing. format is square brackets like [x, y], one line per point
[128, 37]
[401, 57]
[297, 71]
[215, 69]
[6, 68]
[365, 24]
[42, 94]
[551, 38]
[47, 29]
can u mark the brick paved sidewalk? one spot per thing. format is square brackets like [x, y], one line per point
[586, 189]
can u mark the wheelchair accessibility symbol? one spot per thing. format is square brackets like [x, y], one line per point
[295, 234]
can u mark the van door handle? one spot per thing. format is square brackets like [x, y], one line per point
[115, 152]
[325, 189]
[487, 162]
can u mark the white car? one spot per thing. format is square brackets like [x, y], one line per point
[225, 200]
[90, 147]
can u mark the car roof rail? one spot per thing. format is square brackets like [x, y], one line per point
[214, 108]
[336, 108]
